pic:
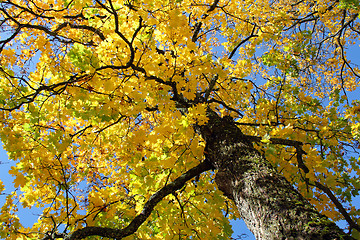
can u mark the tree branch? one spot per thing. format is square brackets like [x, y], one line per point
[145, 213]
[242, 42]
[196, 32]
[338, 205]
[296, 144]
[213, 6]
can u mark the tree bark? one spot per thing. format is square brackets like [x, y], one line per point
[270, 206]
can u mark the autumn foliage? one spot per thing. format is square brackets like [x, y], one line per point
[101, 103]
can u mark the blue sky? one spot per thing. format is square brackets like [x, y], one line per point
[240, 229]
[28, 217]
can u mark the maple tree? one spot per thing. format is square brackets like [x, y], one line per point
[166, 119]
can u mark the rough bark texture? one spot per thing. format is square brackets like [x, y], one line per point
[268, 203]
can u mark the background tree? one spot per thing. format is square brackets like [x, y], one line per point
[165, 119]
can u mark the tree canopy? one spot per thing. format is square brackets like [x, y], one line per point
[103, 105]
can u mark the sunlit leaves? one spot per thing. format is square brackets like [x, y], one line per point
[101, 101]
[82, 57]
[348, 4]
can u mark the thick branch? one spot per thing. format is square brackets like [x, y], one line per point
[213, 6]
[339, 206]
[145, 213]
[242, 42]
[287, 142]
[196, 32]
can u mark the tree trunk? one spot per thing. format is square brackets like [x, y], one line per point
[270, 206]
